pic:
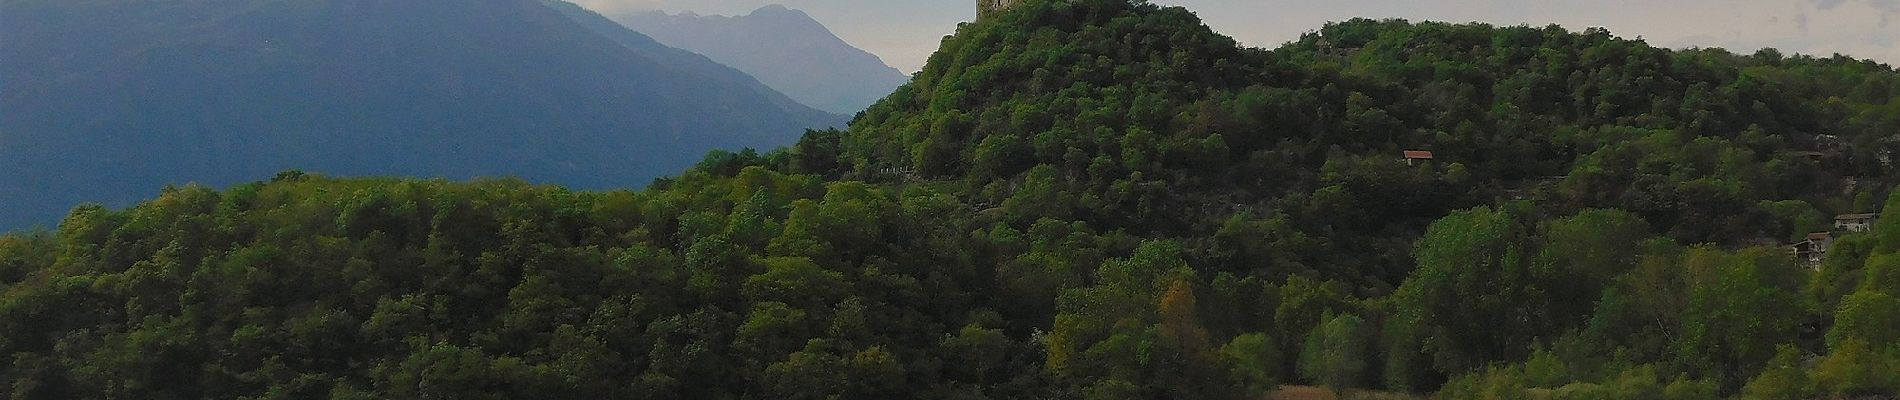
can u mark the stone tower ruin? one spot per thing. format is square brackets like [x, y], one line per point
[985, 8]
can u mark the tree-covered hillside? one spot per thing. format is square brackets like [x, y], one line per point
[1075, 199]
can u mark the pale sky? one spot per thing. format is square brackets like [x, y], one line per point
[905, 32]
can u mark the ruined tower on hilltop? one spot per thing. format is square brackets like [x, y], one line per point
[986, 7]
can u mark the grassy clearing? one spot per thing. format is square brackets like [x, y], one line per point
[1319, 393]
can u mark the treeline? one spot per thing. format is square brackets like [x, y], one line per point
[1652, 320]
[1087, 199]
[758, 285]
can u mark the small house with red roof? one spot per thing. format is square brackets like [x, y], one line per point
[1811, 252]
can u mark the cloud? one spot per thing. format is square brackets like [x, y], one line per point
[1801, 22]
[1888, 9]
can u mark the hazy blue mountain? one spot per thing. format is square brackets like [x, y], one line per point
[108, 101]
[784, 48]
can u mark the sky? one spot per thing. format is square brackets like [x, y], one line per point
[905, 32]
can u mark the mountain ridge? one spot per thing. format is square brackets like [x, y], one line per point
[226, 92]
[786, 48]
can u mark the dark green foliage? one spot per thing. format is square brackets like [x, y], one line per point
[1076, 199]
[1783, 378]
[494, 289]
[1855, 367]
[1256, 361]
[1489, 286]
[1744, 308]
[1338, 353]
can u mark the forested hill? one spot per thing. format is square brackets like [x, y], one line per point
[1151, 123]
[1076, 199]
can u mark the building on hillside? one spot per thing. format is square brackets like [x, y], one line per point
[1811, 252]
[1855, 222]
[1414, 157]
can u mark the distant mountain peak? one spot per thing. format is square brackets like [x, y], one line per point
[776, 8]
[783, 47]
[116, 99]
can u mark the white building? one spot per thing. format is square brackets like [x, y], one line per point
[1855, 222]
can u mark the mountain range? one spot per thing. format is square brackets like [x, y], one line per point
[108, 101]
[785, 48]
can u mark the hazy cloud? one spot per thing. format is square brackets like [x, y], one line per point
[1888, 9]
[1801, 21]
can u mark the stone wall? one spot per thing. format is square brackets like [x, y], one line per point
[986, 7]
